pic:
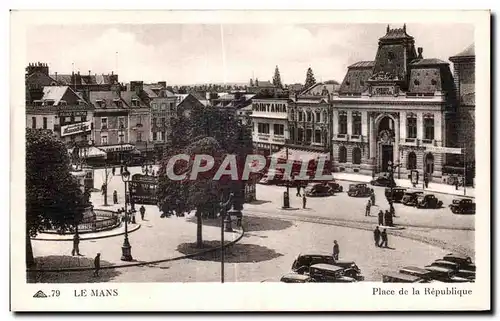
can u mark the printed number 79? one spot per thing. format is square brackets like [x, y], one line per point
[56, 293]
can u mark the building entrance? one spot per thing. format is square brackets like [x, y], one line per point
[387, 156]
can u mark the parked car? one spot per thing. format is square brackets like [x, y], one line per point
[359, 190]
[318, 190]
[428, 201]
[468, 274]
[350, 269]
[410, 198]
[465, 262]
[304, 261]
[416, 271]
[383, 179]
[397, 194]
[445, 275]
[336, 187]
[296, 278]
[463, 206]
[329, 273]
[272, 177]
[395, 277]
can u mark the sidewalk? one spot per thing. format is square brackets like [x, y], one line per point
[433, 187]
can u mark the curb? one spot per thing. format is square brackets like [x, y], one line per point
[90, 238]
[177, 258]
[411, 188]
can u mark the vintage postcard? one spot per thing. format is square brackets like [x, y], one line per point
[236, 154]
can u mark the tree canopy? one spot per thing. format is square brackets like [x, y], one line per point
[310, 80]
[277, 78]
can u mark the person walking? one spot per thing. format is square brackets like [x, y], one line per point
[368, 207]
[336, 250]
[388, 218]
[392, 210]
[372, 197]
[113, 170]
[380, 218]
[121, 169]
[115, 197]
[383, 235]
[298, 190]
[376, 236]
[142, 210]
[426, 180]
[304, 201]
[76, 245]
[97, 264]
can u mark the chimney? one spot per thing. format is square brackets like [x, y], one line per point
[256, 82]
[420, 50]
[388, 28]
[55, 75]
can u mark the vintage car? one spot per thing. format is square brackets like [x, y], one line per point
[336, 187]
[296, 278]
[416, 271]
[463, 206]
[395, 277]
[410, 198]
[350, 269]
[304, 261]
[395, 193]
[468, 274]
[465, 262]
[319, 189]
[359, 190]
[383, 179]
[444, 274]
[428, 201]
[329, 273]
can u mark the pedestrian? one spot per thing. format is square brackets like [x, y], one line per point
[372, 196]
[376, 236]
[456, 184]
[113, 171]
[383, 235]
[426, 181]
[336, 250]
[380, 218]
[298, 190]
[97, 264]
[142, 210]
[115, 197]
[121, 169]
[392, 210]
[132, 202]
[304, 201]
[388, 218]
[76, 243]
[368, 207]
[103, 189]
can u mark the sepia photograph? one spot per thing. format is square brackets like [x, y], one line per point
[237, 150]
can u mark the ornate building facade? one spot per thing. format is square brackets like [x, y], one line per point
[395, 109]
[270, 124]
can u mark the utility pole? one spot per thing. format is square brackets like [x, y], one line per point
[465, 171]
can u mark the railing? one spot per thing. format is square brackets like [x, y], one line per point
[110, 221]
[410, 140]
[427, 141]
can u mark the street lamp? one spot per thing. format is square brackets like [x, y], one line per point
[126, 248]
[286, 196]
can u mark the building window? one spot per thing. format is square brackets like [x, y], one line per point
[121, 122]
[356, 156]
[317, 136]
[429, 127]
[155, 135]
[163, 121]
[67, 120]
[121, 138]
[279, 129]
[135, 102]
[104, 140]
[412, 161]
[163, 106]
[411, 126]
[343, 123]
[154, 106]
[300, 135]
[342, 154]
[309, 116]
[325, 117]
[171, 106]
[318, 117]
[44, 122]
[356, 123]
[104, 123]
[153, 123]
[429, 163]
[292, 134]
[139, 136]
[33, 122]
[308, 135]
[301, 116]
[263, 128]
[292, 115]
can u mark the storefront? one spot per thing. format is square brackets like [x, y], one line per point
[119, 154]
[298, 157]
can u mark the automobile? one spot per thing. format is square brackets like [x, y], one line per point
[410, 198]
[296, 278]
[444, 274]
[468, 274]
[463, 206]
[336, 187]
[329, 273]
[397, 193]
[396, 277]
[304, 261]
[383, 179]
[416, 271]
[428, 201]
[350, 269]
[271, 177]
[465, 262]
[359, 190]
[318, 189]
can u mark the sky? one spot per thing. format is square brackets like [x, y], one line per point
[208, 53]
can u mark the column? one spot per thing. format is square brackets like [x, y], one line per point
[364, 123]
[371, 135]
[396, 142]
[420, 126]
[349, 122]
[438, 128]
[335, 123]
[402, 126]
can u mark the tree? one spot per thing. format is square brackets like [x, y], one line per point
[277, 78]
[107, 179]
[251, 82]
[54, 199]
[310, 80]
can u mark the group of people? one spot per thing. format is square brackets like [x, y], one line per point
[148, 170]
[378, 236]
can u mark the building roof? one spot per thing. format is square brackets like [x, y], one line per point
[397, 33]
[68, 79]
[468, 52]
[54, 93]
[362, 64]
[109, 97]
[429, 61]
[264, 84]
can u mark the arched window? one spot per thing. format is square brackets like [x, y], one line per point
[412, 161]
[309, 116]
[356, 155]
[318, 117]
[429, 126]
[342, 154]
[324, 117]
[429, 163]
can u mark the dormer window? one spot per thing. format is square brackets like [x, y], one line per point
[49, 102]
[101, 103]
[38, 102]
[118, 103]
[80, 102]
[135, 102]
[63, 103]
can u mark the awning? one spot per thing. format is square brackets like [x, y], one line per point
[90, 152]
[299, 155]
[117, 148]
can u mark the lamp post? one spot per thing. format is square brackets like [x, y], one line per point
[126, 248]
[223, 215]
[286, 196]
